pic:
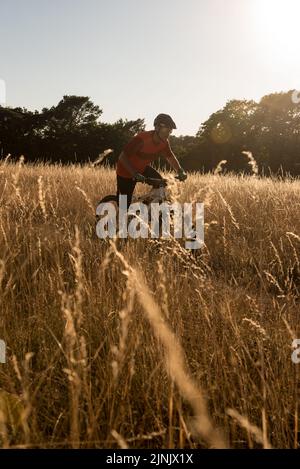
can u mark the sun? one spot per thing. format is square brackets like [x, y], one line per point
[278, 29]
[279, 15]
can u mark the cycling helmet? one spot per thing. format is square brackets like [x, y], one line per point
[164, 119]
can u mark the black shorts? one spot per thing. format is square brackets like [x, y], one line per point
[127, 185]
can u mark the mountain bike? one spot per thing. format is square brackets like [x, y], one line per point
[158, 194]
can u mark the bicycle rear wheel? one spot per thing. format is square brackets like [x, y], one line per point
[109, 198]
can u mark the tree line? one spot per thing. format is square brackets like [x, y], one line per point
[72, 132]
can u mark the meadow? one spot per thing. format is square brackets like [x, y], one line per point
[141, 344]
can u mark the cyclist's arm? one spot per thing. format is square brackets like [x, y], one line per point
[171, 158]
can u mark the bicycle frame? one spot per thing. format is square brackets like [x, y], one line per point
[156, 194]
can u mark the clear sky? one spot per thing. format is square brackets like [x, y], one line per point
[137, 58]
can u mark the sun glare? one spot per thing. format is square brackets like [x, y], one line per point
[278, 28]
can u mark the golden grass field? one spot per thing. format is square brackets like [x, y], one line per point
[140, 345]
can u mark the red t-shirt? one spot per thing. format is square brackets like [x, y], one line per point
[141, 150]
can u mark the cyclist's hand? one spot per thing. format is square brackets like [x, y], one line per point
[181, 175]
[138, 177]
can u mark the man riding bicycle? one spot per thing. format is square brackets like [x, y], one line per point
[142, 149]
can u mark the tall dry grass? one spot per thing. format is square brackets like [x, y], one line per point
[141, 344]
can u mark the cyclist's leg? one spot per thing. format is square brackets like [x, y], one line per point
[125, 186]
[151, 173]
